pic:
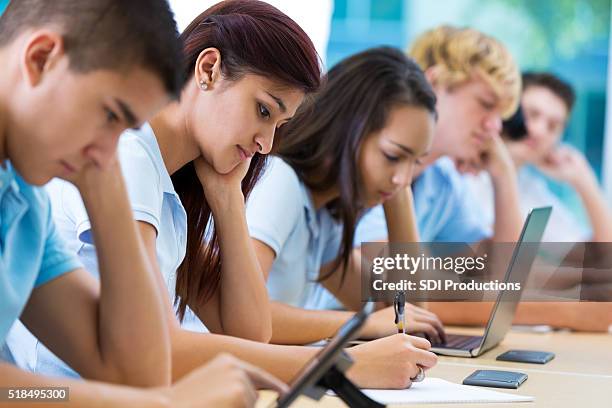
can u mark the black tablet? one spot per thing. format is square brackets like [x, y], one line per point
[311, 373]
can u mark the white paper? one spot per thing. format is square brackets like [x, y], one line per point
[438, 391]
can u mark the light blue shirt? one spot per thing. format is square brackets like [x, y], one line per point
[445, 210]
[281, 214]
[153, 200]
[31, 251]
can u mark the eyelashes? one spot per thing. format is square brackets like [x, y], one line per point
[111, 117]
[395, 159]
[392, 159]
[263, 111]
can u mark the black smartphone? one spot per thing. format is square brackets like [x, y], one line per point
[526, 356]
[495, 378]
[312, 372]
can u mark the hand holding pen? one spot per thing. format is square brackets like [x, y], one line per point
[399, 305]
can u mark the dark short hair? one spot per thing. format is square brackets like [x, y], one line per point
[106, 34]
[553, 83]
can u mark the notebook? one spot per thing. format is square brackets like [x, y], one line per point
[438, 391]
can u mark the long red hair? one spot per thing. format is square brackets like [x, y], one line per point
[252, 37]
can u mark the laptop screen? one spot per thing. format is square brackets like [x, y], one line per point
[522, 260]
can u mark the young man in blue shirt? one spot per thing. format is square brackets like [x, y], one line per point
[75, 75]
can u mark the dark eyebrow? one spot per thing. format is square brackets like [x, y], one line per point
[404, 148]
[128, 116]
[279, 101]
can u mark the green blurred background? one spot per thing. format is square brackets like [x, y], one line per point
[567, 37]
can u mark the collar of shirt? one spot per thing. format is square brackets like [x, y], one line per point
[12, 205]
[9, 183]
[7, 178]
[148, 135]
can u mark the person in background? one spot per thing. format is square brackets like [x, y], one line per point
[547, 103]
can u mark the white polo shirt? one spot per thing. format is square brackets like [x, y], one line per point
[281, 214]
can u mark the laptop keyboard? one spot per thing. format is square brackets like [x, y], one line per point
[460, 341]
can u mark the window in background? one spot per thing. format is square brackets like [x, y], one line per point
[361, 24]
[313, 16]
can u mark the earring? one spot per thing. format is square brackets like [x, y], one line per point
[259, 147]
[203, 85]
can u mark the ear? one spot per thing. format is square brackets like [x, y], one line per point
[432, 74]
[208, 67]
[43, 51]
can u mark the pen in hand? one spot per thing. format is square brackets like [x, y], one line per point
[399, 306]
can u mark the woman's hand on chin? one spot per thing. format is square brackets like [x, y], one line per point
[219, 188]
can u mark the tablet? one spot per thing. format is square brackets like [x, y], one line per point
[312, 372]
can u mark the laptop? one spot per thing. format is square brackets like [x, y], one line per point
[507, 301]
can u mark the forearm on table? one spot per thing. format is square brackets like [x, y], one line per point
[293, 325]
[191, 350]
[581, 316]
[87, 394]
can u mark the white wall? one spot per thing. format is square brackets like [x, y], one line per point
[314, 16]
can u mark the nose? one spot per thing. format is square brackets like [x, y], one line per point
[493, 124]
[403, 175]
[264, 141]
[536, 128]
[101, 152]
